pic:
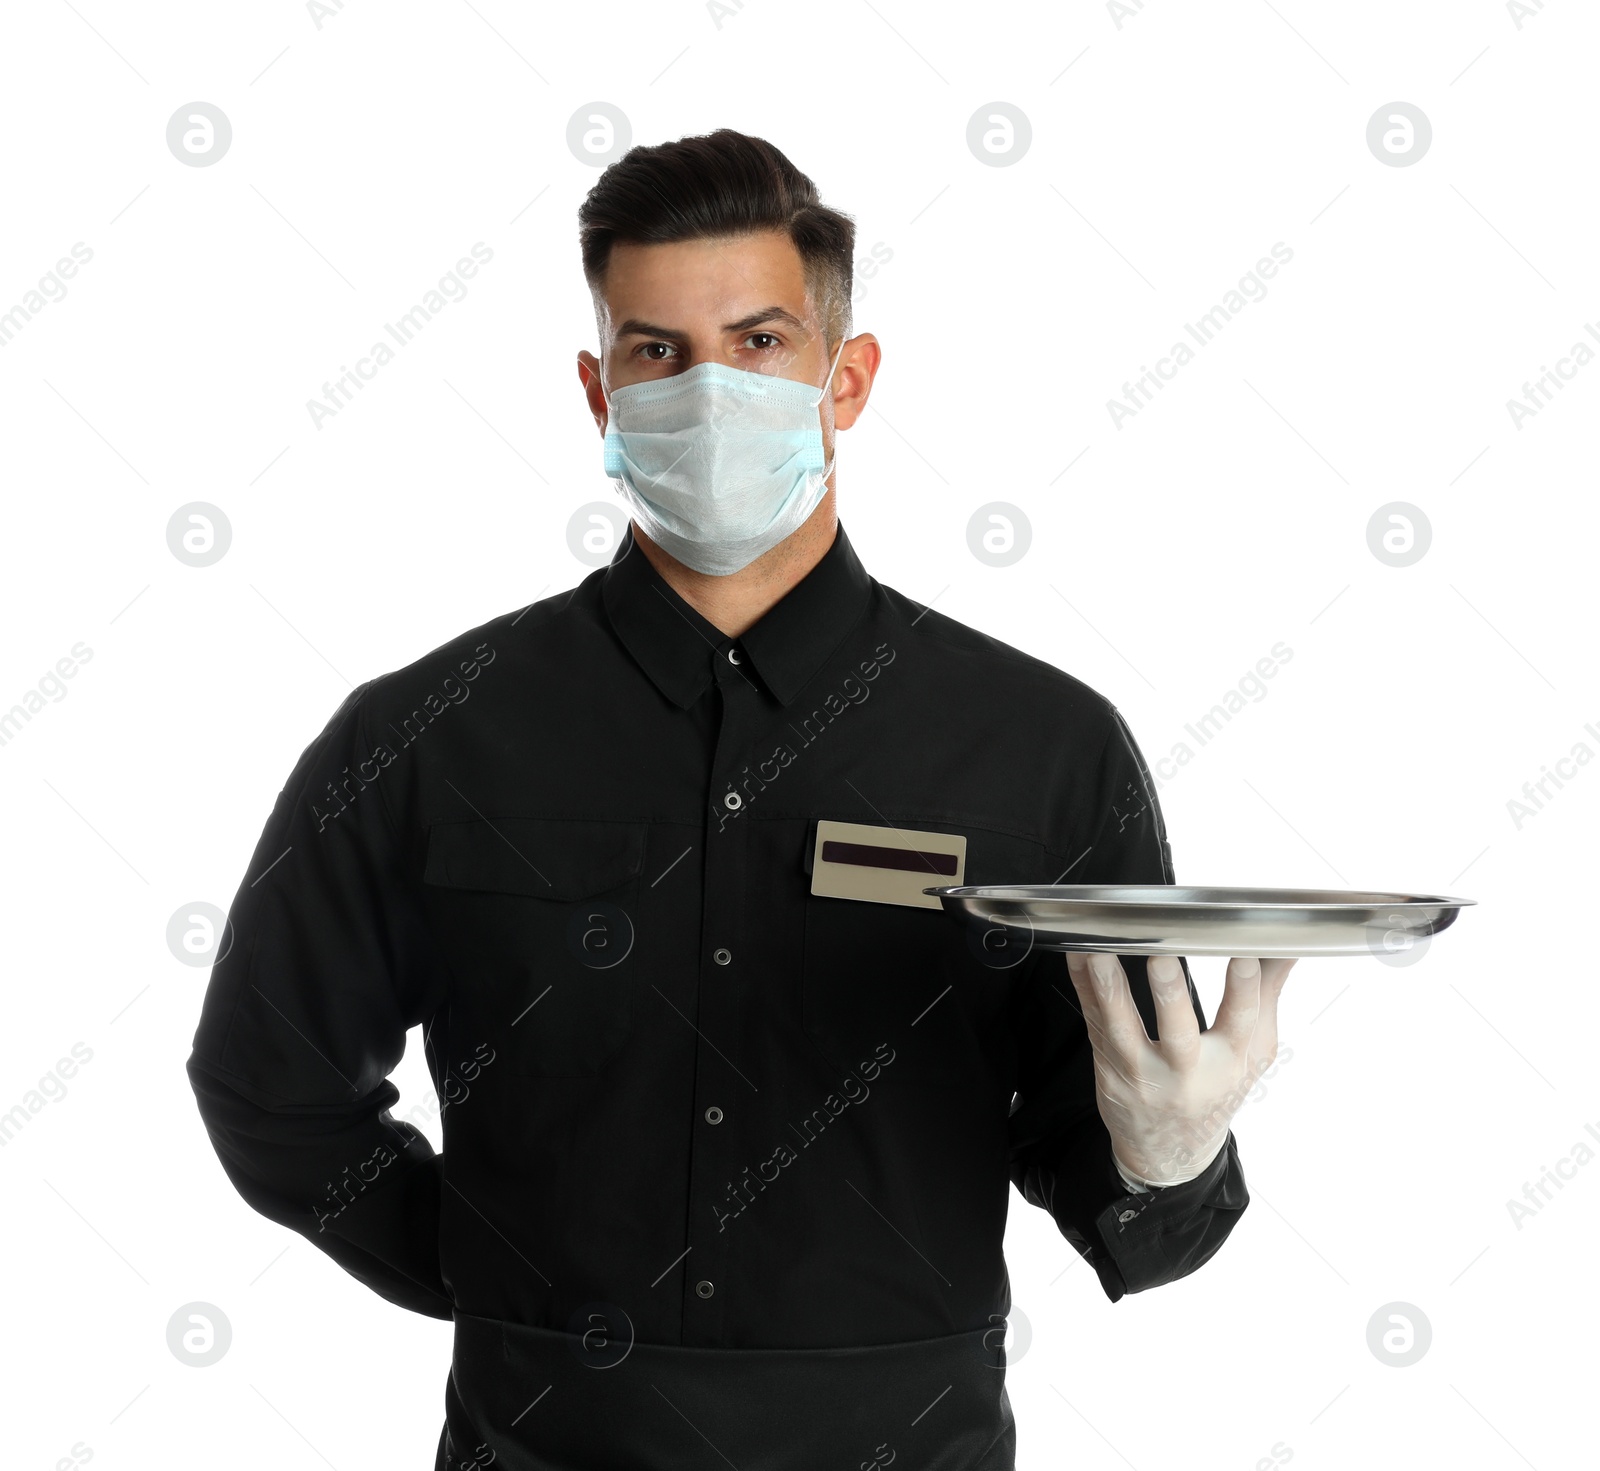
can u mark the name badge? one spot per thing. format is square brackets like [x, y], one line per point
[885, 865]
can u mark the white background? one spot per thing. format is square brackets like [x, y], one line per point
[1169, 153]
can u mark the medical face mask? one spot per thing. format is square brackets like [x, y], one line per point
[718, 464]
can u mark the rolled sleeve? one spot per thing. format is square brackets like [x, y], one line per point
[323, 970]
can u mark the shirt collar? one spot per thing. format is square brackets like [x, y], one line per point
[675, 645]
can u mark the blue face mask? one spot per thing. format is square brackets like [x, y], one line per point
[719, 465]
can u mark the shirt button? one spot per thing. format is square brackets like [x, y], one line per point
[705, 1289]
[722, 957]
[735, 657]
[733, 801]
[713, 1115]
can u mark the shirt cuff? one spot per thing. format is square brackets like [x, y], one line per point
[1167, 1232]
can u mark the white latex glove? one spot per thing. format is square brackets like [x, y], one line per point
[1137, 1186]
[1167, 1104]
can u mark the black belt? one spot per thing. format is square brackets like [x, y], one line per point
[532, 1399]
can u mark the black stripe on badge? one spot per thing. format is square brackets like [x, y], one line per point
[868, 855]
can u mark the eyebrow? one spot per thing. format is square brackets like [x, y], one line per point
[633, 327]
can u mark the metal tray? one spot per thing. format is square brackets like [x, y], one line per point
[1164, 919]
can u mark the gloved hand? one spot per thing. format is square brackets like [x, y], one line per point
[1167, 1104]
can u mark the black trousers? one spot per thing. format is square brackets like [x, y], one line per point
[528, 1399]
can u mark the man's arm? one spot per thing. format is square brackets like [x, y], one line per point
[323, 971]
[1061, 1156]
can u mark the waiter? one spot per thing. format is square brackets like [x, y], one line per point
[731, 1108]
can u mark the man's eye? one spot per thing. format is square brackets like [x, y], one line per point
[657, 352]
[761, 341]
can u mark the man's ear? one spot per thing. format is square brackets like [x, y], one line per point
[852, 379]
[589, 376]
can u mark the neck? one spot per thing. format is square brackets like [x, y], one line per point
[737, 602]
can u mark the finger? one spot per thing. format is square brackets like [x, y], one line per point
[1241, 1002]
[1264, 1042]
[1119, 1017]
[1094, 1018]
[1176, 1023]
[1088, 1001]
[1273, 974]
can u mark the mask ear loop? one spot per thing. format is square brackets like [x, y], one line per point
[827, 384]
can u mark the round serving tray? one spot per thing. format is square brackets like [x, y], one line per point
[1164, 919]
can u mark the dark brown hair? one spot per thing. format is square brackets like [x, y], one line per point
[721, 183]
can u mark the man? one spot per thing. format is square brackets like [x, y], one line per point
[732, 1109]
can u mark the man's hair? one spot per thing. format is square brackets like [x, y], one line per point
[719, 184]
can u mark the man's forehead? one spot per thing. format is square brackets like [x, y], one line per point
[707, 284]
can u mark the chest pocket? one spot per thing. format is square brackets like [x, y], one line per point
[875, 974]
[537, 920]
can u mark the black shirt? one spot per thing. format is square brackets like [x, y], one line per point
[747, 1143]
